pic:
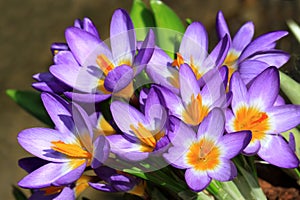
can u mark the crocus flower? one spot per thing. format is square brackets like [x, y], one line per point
[253, 109]
[70, 191]
[206, 154]
[194, 103]
[46, 82]
[102, 71]
[144, 133]
[251, 57]
[117, 181]
[193, 51]
[69, 148]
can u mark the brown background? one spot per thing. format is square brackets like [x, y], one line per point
[27, 29]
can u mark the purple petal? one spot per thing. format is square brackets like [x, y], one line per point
[103, 187]
[265, 96]
[292, 142]
[194, 43]
[243, 37]
[126, 116]
[279, 101]
[233, 143]
[197, 181]
[86, 98]
[70, 172]
[182, 135]
[60, 113]
[81, 43]
[281, 156]
[262, 43]
[64, 57]
[118, 78]
[188, 84]
[84, 79]
[275, 57]
[101, 150]
[171, 101]
[213, 125]
[225, 171]
[87, 25]
[58, 46]
[154, 111]
[249, 69]
[122, 37]
[239, 91]
[145, 52]
[66, 193]
[125, 149]
[284, 118]
[84, 129]
[176, 157]
[48, 174]
[222, 28]
[218, 54]
[252, 148]
[37, 141]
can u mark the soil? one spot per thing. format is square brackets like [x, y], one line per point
[276, 184]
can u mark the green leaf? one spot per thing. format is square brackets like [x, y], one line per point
[294, 28]
[32, 103]
[170, 27]
[142, 18]
[290, 87]
[18, 194]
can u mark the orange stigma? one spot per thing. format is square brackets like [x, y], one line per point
[105, 64]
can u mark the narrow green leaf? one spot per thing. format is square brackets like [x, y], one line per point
[142, 18]
[290, 87]
[294, 28]
[18, 194]
[170, 27]
[32, 103]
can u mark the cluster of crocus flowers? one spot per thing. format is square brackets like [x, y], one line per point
[199, 111]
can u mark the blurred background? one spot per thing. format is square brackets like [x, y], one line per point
[27, 29]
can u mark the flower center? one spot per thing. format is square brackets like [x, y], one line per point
[179, 61]
[231, 62]
[250, 118]
[203, 155]
[105, 64]
[147, 139]
[195, 111]
[71, 150]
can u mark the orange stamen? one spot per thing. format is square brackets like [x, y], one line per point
[195, 111]
[250, 118]
[72, 150]
[178, 61]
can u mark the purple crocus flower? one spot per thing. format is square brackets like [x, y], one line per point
[46, 82]
[251, 57]
[69, 148]
[144, 133]
[194, 103]
[70, 191]
[253, 109]
[102, 71]
[118, 181]
[193, 51]
[206, 154]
